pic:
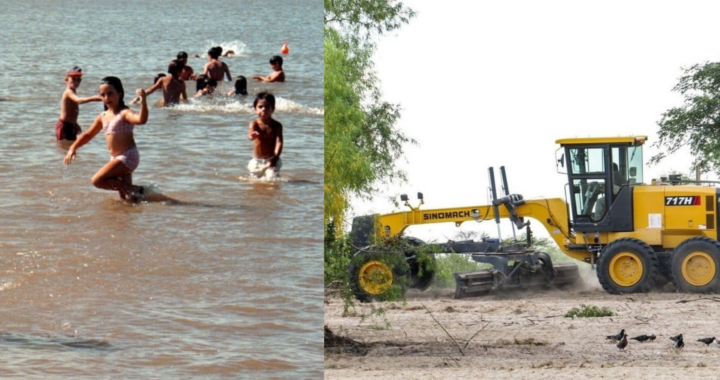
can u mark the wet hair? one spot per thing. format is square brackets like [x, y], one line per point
[215, 52]
[157, 77]
[211, 82]
[241, 86]
[182, 55]
[268, 97]
[175, 67]
[276, 59]
[117, 85]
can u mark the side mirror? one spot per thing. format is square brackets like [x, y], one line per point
[403, 197]
[420, 196]
[633, 171]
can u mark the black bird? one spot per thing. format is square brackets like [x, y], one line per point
[623, 342]
[644, 338]
[678, 341]
[617, 337]
[707, 341]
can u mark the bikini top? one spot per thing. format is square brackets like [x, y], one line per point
[117, 126]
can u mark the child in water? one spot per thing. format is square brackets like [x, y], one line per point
[117, 123]
[278, 75]
[266, 132]
[240, 87]
[67, 127]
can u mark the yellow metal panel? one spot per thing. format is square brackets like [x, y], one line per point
[638, 140]
[679, 215]
[649, 204]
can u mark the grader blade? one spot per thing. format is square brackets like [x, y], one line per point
[529, 271]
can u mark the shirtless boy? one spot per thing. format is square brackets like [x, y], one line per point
[215, 68]
[278, 75]
[173, 88]
[266, 133]
[67, 128]
[187, 71]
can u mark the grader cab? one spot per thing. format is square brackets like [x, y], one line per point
[639, 236]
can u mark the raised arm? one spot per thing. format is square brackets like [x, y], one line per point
[138, 118]
[83, 139]
[252, 131]
[72, 96]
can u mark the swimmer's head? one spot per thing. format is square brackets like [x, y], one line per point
[268, 97]
[182, 55]
[276, 59]
[116, 84]
[157, 77]
[175, 67]
[241, 86]
[215, 52]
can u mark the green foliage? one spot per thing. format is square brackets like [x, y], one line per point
[361, 143]
[695, 124]
[364, 18]
[588, 311]
[450, 263]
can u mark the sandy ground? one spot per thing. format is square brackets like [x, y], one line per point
[525, 336]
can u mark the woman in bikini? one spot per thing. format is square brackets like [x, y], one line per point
[117, 123]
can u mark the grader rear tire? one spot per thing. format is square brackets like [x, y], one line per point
[627, 266]
[695, 265]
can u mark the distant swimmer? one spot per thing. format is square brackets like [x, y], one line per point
[215, 68]
[229, 53]
[172, 87]
[187, 72]
[240, 87]
[278, 75]
[67, 127]
[117, 123]
[267, 134]
[204, 86]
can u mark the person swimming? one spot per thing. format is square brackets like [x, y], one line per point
[240, 87]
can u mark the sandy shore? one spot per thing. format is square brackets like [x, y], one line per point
[525, 336]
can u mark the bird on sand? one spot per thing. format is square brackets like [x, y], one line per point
[644, 338]
[616, 337]
[707, 341]
[678, 341]
[623, 342]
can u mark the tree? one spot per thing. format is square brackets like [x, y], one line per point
[695, 124]
[361, 142]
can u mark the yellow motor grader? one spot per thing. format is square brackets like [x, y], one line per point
[639, 236]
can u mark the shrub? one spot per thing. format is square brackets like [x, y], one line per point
[587, 311]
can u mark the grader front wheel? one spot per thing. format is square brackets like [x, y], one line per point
[375, 276]
[695, 265]
[627, 266]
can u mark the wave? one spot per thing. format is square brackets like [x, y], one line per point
[238, 47]
[224, 104]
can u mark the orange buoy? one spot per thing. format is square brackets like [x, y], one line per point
[284, 49]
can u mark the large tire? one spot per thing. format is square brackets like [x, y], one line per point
[627, 266]
[373, 274]
[695, 265]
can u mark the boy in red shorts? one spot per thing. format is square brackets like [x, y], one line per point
[67, 127]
